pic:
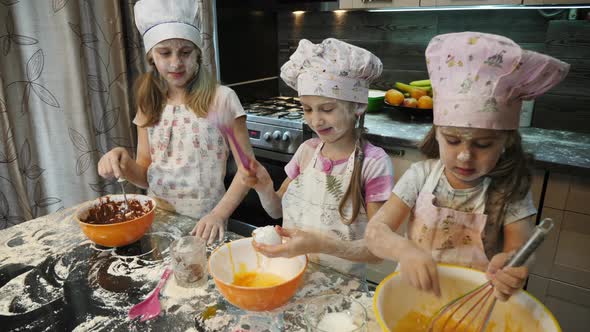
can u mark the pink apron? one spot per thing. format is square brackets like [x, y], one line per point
[452, 236]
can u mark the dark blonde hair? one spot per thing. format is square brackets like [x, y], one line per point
[511, 177]
[354, 192]
[151, 92]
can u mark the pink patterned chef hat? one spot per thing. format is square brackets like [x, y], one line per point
[332, 68]
[479, 80]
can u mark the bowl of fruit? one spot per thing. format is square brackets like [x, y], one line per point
[414, 99]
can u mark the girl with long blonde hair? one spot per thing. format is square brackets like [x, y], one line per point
[181, 153]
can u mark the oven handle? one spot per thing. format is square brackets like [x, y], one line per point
[272, 155]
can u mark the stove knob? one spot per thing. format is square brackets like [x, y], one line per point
[276, 135]
[266, 136]
[286, 136]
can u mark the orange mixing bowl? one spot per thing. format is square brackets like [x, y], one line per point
[118, 234]
[225, 260]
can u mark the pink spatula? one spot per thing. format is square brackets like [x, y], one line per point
[150, 307]
[222, 120]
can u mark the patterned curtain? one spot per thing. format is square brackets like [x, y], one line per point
[66, 68]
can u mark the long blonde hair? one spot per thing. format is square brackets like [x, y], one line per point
[151, 91]
[354, 192]
[511, 177]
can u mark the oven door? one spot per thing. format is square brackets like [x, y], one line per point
[250, 211]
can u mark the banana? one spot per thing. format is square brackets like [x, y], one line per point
[421, 83]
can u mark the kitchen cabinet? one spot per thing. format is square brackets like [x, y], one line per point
[356, 4]
[560, 275]
[368, 4]
[553, 2]
[435, 3]
[568, 303]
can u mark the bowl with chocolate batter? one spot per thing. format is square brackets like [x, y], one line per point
[106, 220]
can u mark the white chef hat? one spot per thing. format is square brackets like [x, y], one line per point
[158, 20]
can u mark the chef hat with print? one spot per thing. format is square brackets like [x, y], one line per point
[333, 69]
[479, 80]
[158, 20]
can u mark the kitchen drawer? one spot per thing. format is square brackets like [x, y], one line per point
[434, 3]
[557, 190]
[579, 195]
[565, 253]
[545, 254]
[569, 304]
[572, 256]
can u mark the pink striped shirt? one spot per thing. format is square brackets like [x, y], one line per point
[377, 170]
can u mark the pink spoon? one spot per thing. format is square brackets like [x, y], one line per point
[220, 120]
[150, 307]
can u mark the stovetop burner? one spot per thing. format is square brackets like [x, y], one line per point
[276, 124]
[275, 104]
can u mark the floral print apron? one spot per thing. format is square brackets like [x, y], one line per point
[451, 236]
[189, 156]
[311, 203]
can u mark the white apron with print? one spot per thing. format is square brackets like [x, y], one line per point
[311, 203]
[189, 156]
[452, 236]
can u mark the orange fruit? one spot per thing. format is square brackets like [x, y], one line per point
[425, 102]
[417, 93]
[394, 97]
[410, 102]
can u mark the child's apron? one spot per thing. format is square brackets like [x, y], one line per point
[451, 236]
[189, 156]
[311, 203]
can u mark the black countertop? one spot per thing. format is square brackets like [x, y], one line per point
[52, 278]
[558, 150]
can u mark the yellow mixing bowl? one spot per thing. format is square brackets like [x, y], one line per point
[394, 299]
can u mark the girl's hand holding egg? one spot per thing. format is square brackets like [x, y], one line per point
[297, 242]
[266, 235]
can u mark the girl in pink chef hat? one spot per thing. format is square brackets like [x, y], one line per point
[181, 154]
[470, 204]
[337, 181]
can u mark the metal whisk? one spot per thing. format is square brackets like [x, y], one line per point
[479, 303]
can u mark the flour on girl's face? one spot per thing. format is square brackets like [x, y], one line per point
[469, 154]
[176, 61]
[330, 118]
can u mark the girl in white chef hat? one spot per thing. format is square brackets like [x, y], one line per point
[336, 181]
[181, 154]
[471, 203]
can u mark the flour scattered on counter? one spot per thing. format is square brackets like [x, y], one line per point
[219, 323]
[173, 291]
[92, 324]
[337, 321]
[15, 295]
